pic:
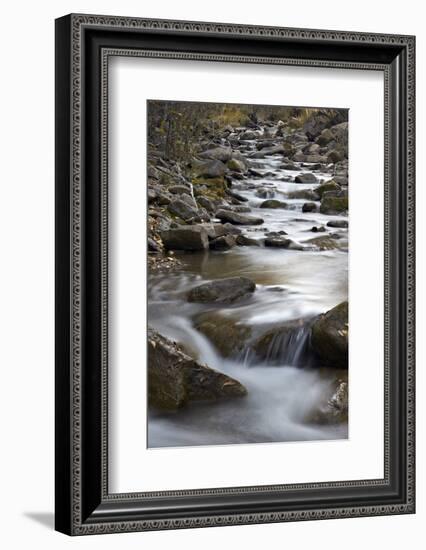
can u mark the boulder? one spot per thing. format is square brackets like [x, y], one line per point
[209, 169]
[236, 218]
[236, 165]
[243, 240]
[236, 195]
[311, 149]
[222, 243]
[309, 207]
[289, 166]
[278, 344]
[335, 156]
[335, 409]
[185, 238]
[320, 120]
[327, 187]
[281, 149]
[174, 378]
[306, 177]
[306, 194]
[273, 203]
[330, 336]
[341, 224]
[228, 335]
[282, 242]
[222, 291]
[250, 135]
[217, 153]
[206, 203]
[334, 205]
[325, 242]
[182, 209]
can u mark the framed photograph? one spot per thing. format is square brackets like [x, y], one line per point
[234, 274]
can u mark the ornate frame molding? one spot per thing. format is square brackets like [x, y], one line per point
[78, 523]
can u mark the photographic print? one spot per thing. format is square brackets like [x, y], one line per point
[247, 273]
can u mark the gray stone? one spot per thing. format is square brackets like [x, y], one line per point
[237, 218]
[222, 291]
[185, 238]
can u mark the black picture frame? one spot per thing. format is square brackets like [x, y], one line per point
[83, 504]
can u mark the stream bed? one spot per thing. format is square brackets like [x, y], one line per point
[290, 285]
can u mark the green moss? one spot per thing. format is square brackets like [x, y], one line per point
[334, 205]
[326, 187]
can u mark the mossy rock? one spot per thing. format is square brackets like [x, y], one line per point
[305, 194]
[324, 242]
[330, 336]
[227, 334]
[273, 203]
[334, 205]
[215, 187]
[236, 165]
[175, 378]
[327, 187]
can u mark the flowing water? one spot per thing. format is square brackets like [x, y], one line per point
[285, 389]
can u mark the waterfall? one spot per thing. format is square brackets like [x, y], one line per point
[286, 348]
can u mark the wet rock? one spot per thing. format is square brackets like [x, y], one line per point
[290, 166]
[306, 194]
[228, 335]
[222, 243]
[273, 203]
[256, 173]
[318, 229]
[338, 223]
[334, 205]
[217, 153]
[237, 218]
[335, 409]
[185, 238]
[286, 344]
[309, 207]
[307, 177]
[243, 240]
[329, 186]
[175, 379]
[325, 242]
[330, 336]
[276, 233]
[282, 242]
[222, 291]
[236, 195]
